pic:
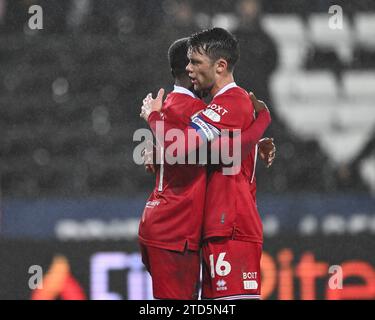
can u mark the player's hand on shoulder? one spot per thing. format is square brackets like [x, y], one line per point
[150, 104]
[267, 151]
[259, 105]
[146, 107]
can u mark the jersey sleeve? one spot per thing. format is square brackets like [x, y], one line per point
[248, 138]
[195, 107]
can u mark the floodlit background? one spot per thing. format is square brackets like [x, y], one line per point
[70, 93]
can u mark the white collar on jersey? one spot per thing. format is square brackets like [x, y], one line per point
[227, 87]
[178, 89]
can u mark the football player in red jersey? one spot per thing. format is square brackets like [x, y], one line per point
[171, 224]
[232, 229]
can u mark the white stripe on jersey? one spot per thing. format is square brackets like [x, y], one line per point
[255, 156]
[255, 162]
[240, 296]
[161, 174]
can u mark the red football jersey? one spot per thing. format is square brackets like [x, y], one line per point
[173, 215]
[230, 208]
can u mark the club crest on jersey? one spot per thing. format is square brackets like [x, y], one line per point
[214, 112]
[212, 115]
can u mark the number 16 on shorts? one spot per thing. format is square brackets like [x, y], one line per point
[222, 267]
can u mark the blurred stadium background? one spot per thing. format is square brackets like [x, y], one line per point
[71, 195]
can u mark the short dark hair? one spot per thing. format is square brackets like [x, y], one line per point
[177, 56]
[216, 43]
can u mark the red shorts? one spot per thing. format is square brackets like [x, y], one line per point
[175, 275]
[231, 269]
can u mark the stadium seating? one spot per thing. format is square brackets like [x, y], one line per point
[69, 101]
[364, 26]
[284, 28]
[225, 20]
[363, 59]
[343, 146]
[338, 114]
[356, 115]
[359, 85]
[324, 59]
[316, 86]
[304, 87]
[290, 35]
[321, 35]
[367, 171]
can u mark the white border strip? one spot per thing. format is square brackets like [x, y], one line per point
[237, 297]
